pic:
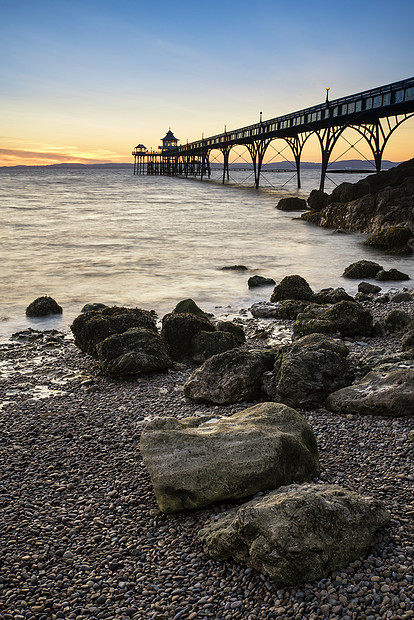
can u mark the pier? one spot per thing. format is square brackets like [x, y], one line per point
[375, 114]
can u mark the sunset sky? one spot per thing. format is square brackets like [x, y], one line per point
[85, 81]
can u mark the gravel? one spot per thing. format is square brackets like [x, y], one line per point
[81, 533]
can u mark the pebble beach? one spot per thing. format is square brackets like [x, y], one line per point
[82, 536]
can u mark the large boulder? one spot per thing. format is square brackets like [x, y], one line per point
[362, 269]
[393, 240]
[307, 371]
[93, 327]
[298, 533]
[178, 331]
[134, 352]
[189, 305]
[198, 461]
[381, 392]
[317, 200]
[292, 287]
[230, 377]
[292, 203]
[312, 323]
[43, 306]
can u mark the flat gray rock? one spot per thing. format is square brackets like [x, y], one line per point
[202, 460]
[298, 533]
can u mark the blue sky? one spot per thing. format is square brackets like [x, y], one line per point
[89, 80]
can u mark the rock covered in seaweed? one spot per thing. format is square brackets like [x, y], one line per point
[292, 287]
[43, 306]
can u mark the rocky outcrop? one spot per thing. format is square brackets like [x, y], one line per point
[376, 202]
[380, 392]
[43, 306]
[393, 240]
[132, 353]
[93, 327]
[298, 533]
[198, 461]
[230, 377]
[291, 203]
[307, 371]
[362, 269]
[292, 287]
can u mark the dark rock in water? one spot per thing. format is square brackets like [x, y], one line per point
[380, 392]
[391, 274]
[396, 321]
[92, 327]
[362, 269]
[307, 371]
[298, 533]
[232, 328]
[366, 287]
[234, 268]
[287, 309]
[134, 352]
[407, 341]
[197, 461]
[393, 240]
[398, 298]
[317, 200]
[97, 307]
[189, 305]
[207, 344]
[292, 287]
[256, 281]
[178, 331]
[331, 296]
[292, 203]
[43, 306]
[230, 377]
[376, 202]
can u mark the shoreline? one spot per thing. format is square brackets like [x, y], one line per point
[83, 536]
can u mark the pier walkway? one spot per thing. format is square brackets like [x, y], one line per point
[375, 114]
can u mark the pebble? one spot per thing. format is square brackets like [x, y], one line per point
[82, 535]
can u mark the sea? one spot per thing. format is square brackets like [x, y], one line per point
[84, 234]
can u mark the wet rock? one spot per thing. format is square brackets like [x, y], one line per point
[134, 352]
[366, 287]
[287, 309]
[298, 533]
[178, 331]
[317, 200]
[385, 275]
[331, 296]
[292, 203]
[93, 327]
[307, 371]
[207, 344]
[256, 281]
[311, 323]
[189, 305]
[350, 318]
[94, 306]
[230, 377]
[393, 240]
[234, 268]
[407, 341]
[362, 269]
[292, 287]
[232, 328]
[43, 306]
[378, 393]
[202, 460]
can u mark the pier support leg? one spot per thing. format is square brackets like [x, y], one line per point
[327, 139]
[226, 152]
[257, 150]
[296, 144]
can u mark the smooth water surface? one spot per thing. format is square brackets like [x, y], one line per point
[85, 235]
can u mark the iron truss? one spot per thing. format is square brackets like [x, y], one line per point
[375, 114]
